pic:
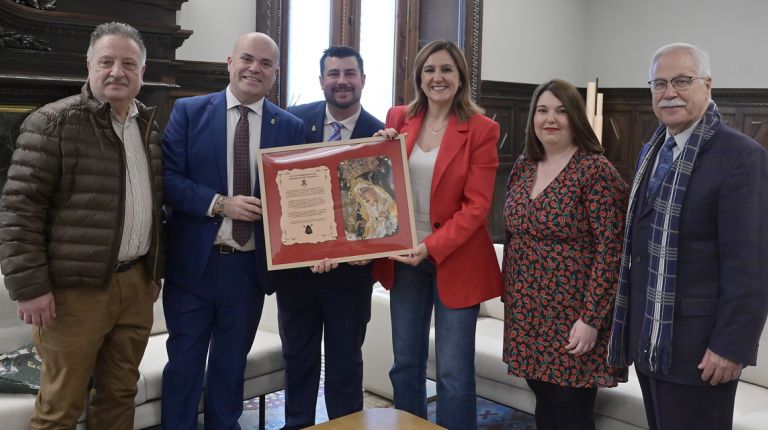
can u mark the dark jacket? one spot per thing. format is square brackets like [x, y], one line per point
[313, 115]
[62, 208]
[721, 297]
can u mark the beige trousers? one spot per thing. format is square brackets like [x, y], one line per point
[99, 334]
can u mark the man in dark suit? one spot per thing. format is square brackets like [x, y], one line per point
[217, 273]
[693, 296]
[336, 304]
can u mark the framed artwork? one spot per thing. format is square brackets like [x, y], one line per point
[346, 200]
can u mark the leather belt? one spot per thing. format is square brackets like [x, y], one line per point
[125, 266]
[226, 249]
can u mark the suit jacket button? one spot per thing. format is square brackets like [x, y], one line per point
[437, 225]
[638, 258]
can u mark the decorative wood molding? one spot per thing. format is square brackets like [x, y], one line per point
[473, 42]
[13, 40]
[38, 4]
[200, 77]
[406, 48]
[29, 76]
[271, 18]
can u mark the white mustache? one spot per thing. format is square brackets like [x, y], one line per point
[116, 81]
[672, 103]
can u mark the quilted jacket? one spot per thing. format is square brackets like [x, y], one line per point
[62, 207]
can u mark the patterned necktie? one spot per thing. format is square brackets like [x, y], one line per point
[336, 134]
[663, 165]
[241, 172]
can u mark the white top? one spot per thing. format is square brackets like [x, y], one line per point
[224, 236]
[137, 224]
[421, 166]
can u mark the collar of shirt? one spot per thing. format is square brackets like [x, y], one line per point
[348, 123]
[681, 138]
[133, 112]
[232, 101]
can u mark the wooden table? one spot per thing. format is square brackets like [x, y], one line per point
[378, 419]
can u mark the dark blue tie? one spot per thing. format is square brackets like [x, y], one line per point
[336, 133]
[663, 165]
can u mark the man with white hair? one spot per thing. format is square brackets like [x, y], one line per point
[692, 297]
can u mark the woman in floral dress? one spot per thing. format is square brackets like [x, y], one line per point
[564, 219]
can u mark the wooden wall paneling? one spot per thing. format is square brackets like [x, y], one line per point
[508, 105]
[628, 122]
[756, 124]
[617, 132]
[496, 216]
[732, 117]
[43, 54]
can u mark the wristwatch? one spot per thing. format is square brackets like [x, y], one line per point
[220, 206]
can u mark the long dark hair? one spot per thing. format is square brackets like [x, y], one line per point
[583, 136]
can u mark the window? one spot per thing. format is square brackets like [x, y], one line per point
[377, 47]
[386, 32]
[309, 33]
[312, 27]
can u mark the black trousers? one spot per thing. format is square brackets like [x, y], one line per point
[671, 406]
[563, 408]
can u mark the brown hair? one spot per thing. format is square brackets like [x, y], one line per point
[583, 136]
[463, 106]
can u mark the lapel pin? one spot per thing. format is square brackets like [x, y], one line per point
[314, 129]
[273, 121]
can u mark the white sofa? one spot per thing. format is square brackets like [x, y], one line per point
[264, 373]
[618, 408]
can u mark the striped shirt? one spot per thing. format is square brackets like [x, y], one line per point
[137, 224]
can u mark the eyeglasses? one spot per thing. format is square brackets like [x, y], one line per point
[680, 83]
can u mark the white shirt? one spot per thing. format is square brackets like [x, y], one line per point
[137, 222]
[224, 236]
[680, 140]
[421, 166]
[347, 125]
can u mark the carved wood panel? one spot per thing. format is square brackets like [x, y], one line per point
[756, 126]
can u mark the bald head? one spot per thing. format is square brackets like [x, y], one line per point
[253, 67]
[255, 37]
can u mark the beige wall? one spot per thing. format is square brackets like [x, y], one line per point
[216, 24]
[530, 41]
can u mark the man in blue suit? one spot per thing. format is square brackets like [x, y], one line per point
[217, 274]
[692, 297]
[337, 302]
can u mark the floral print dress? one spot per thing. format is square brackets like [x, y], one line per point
[561, 263]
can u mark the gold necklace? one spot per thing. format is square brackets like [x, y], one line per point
[437, 130]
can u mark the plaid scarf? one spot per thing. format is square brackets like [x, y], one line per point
[655, 348]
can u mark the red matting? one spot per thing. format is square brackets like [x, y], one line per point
[273, 160]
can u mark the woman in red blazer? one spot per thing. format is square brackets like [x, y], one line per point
[452, 162]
